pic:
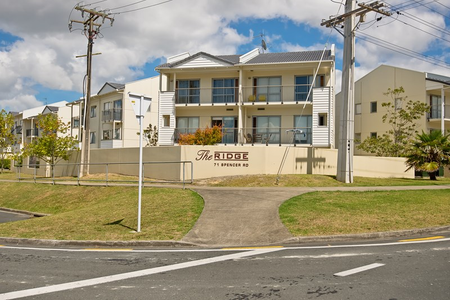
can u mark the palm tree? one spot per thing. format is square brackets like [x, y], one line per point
[429, 153]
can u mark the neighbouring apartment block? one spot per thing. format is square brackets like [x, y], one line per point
[429, 88]
[257, 98]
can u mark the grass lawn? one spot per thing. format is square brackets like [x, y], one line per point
[312, 181]
[99, 213]
[331, 213]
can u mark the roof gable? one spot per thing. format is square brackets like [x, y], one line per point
[109, 87]
[202, 60]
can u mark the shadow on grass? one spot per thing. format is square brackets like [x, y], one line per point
[118, 222]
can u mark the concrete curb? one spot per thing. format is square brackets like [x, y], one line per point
[365, 236]
[95, 244]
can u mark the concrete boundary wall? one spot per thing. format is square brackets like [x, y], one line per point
[216, 161]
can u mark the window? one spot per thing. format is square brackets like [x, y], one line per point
[225, 90]
[304, 124]
[187, 124]
[92, 138]
[357, 138]
[373, 107]
[188, 91]
[267, 129]
[106, 135]
[358, 109]
[117, 110]
[229, 128]
[398, 103]
[118, 133]
[323, 119]
[435, 112]
[75, 122]
[33, 162]
[303, 84]
[93, 111]
[267, 88]
[373, 135]
[166, 120]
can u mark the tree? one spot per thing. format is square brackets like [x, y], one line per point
[207, 136]
[7, 136]
[151, 135]
[402, 115]
[49, 146]
[429, 153]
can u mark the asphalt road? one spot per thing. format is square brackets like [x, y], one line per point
[12, 217]
[383, 270]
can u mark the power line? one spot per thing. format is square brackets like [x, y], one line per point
[141, 8]
[403, 50]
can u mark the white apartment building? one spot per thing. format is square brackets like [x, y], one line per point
[257, 98]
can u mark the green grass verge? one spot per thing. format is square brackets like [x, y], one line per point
[312, 181]
[331, 213]
[99, 213]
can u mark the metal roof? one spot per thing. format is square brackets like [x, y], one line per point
[262, 58]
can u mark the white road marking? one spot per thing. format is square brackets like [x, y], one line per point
[358, 270]
[123, 276]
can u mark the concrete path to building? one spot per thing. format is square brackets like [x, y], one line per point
[249, 216]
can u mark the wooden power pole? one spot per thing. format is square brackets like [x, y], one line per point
[346, 123]
[92, 21]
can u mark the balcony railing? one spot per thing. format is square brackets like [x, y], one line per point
[435, 112]
[112, 115]
[32, 132]
[260, 135]
[250, 95]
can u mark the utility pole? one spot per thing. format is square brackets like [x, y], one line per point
[91, 30]
[346, 123]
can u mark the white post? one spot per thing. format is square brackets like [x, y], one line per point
[443, 116]
[140, 163]
[139, 110]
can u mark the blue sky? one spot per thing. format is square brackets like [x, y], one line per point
[37, 51]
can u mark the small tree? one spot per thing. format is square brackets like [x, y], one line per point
[7, 137]
[429, 153]
[207, 136]
[49, 146]
[151, 135]
[403, 116]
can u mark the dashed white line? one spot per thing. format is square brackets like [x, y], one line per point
[358, 270]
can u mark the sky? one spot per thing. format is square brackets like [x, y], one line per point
[38, 64]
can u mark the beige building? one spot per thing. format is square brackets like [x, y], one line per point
[25, 122]
[430, 88]
[257, 98]
[113, 122]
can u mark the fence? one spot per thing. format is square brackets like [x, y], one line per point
[124, 173]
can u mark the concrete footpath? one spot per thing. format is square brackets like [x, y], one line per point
[249, 216]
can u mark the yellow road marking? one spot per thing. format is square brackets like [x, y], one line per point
[99, 249]
[424, 239]
[253, 248]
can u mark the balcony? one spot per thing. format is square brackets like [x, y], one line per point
[112, 115]
[32, 132]
[435, 112]
[253, 95]
[263, 136]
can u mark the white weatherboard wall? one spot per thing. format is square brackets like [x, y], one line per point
[166, 107]
[202, 62]
[322, 103]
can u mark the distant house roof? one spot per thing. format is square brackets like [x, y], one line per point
[260, 58]
[438, 78]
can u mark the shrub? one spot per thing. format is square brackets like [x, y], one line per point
[207, 136]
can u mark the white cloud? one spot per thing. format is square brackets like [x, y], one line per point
[46, 53]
